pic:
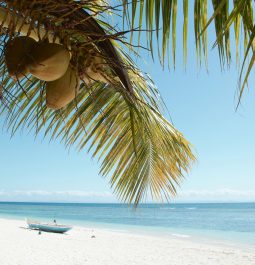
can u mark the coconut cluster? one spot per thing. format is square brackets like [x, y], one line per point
[49, 62]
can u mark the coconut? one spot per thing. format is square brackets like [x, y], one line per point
[63, 90]
[95, 70]
[17, 55]
[50, 61]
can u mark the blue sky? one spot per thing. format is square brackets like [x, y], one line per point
[202, 106]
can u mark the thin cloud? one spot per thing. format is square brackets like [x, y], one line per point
[41, 195]
[95, 196]
[217, 195]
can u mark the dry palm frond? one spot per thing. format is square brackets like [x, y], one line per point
[115, 108]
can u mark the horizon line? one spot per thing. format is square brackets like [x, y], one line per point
[123, 203]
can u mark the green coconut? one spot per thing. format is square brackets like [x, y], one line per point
[17, 55]
[50, 61]
[63, 90]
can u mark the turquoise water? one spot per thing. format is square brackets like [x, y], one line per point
[230, 222]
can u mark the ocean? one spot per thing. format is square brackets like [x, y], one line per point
[230, 223]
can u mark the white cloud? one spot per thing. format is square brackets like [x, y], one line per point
[41, 195]
[217, 195]
[224, 195]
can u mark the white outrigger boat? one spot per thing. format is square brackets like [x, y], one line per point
[47, 227]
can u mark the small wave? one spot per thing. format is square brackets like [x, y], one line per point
[117, 230]
[181, 235]
[191, 208]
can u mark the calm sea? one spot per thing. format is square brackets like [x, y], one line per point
[233, 223]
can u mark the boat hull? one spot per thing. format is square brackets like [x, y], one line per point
[52, 228]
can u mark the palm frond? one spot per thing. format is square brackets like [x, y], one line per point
[159, 19]
[140, 149]
[118, 117]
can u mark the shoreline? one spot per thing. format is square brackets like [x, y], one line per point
[157, 232]
[21, 246]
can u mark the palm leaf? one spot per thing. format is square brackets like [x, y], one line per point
[120, 121]
[225, 15]
[101, 118]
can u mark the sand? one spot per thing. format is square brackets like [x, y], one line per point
[20, 246]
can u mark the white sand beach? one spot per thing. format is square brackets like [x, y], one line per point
[20, 246]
